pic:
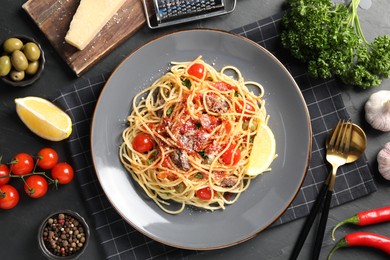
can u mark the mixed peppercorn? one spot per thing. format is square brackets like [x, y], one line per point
[64, 235]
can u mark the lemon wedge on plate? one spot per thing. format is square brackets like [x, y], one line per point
[263, 151]
[44, 118]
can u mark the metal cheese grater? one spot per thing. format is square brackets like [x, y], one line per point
[169, 12]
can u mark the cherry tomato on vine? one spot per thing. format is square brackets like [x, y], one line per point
[143, 143]
[231, 156]
[22, 164]
[204, 193]
[36, 186]
[47, 158]
[62, 172]
[9, 197]
[4, 171]
[196, 70]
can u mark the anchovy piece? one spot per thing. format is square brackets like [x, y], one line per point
[229, 181]
[217, 105]
[180, 159]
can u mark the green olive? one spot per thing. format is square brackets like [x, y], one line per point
[19, 60]
[32, 68]
[12, 44]
[17, 75]
[32, 51]
[5, 65]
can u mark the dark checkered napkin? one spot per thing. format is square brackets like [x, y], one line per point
[325, 105]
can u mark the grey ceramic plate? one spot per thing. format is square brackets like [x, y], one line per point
[267, 197]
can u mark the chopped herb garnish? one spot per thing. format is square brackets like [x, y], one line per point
[199, 175]
[198, 125]
[186, 83]
[169, 111]
[236, 93]
[203, 154]
[152, 157]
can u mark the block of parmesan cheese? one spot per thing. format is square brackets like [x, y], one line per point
[89, 19]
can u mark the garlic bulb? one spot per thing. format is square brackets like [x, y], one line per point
[383, 159]
[377, 110]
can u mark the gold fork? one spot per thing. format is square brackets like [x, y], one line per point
[337, 149]
[336, 154]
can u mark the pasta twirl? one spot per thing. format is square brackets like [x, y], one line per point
[190, 135]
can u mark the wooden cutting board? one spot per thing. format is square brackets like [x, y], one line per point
[53, 17]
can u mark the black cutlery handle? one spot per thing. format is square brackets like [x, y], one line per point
[322, 226]
[309, 222]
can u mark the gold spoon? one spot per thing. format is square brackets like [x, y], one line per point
[357, 146]
[358, 143]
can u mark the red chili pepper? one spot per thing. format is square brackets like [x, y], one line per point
[363, 239]
[365, 218]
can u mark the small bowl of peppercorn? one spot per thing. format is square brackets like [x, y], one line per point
[22, 61]
[63, 235]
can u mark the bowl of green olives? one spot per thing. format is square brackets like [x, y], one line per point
[21, 61]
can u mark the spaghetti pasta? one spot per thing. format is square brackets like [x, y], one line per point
[190, 136]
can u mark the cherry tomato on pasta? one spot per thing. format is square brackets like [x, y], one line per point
[62, 172]
[248, 109]
[204, 193]
[9, 197]
[166, 163]
[22, 164]
[231, 156]
[4, 171]
[36, 186]
[143, 143]
[223, 86]
[47, 158]
[209, 122]
[196, 70]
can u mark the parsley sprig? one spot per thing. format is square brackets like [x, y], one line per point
[329, 38]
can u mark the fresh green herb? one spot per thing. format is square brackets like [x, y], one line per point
[153, 157]
[199, 175]
[198, 125]
[329, 38]
[186, 83]
[237, 94]
[169, 111]
[203, 154]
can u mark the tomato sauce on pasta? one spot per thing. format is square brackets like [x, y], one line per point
[190, 135]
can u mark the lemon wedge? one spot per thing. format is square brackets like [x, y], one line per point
[44, 118]
[263, 151]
